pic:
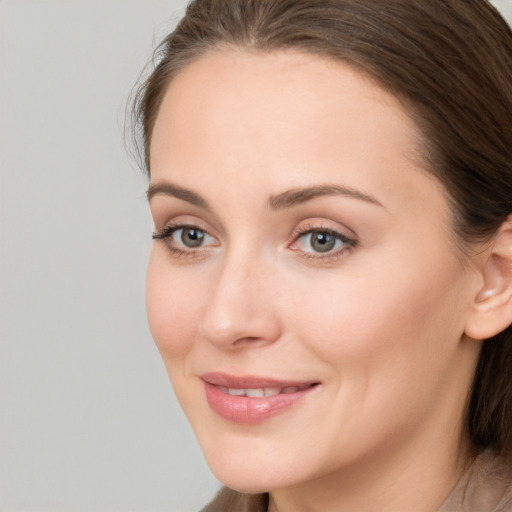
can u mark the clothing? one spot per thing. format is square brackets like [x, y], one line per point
[485, 487]
[228, 500]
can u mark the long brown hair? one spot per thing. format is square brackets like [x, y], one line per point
[449, 61]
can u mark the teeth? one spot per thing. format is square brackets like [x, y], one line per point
[236, 392]
[255, 393]
[261, 392]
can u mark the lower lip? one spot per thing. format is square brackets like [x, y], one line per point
[251, 410]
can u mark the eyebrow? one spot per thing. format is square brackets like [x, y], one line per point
[182, 193]
[298, 196]
[287, 199]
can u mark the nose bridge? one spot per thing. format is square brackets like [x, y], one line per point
[241, 304]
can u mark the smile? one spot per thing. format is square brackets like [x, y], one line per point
[251, 400]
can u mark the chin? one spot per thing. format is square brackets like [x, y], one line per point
[250, 480]
[250, 470]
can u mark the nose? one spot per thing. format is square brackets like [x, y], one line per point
[242, 308]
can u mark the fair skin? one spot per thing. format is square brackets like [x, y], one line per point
[356, 285]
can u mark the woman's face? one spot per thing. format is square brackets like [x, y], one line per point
[304, 288]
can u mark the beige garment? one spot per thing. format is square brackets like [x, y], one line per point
[485, 487]
[228, 500]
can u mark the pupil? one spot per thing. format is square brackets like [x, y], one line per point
[192, 237]
[322, 242]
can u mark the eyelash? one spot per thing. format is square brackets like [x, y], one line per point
[348, 243]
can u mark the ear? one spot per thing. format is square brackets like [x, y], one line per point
[492, 306]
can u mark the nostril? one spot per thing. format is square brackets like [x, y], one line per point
[250, 340]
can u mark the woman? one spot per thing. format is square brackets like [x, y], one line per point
[330, 284]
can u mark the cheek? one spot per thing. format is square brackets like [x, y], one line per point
[390, 310]
[173, 308]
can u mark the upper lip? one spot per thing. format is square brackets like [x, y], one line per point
[251, 381]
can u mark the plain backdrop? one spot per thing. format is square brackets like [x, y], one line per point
[88, 421]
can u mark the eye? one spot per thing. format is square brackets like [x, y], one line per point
[190, 237]
[184, 238]
[322, 241]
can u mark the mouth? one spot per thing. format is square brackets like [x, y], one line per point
[251, 400]
[261, 392]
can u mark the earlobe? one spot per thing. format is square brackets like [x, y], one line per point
[492, 307]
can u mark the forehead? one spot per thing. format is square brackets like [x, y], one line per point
[238, 127]
[278, 97]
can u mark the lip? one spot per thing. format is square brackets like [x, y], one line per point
[252, 410]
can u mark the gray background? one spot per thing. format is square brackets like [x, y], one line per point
[88, 421]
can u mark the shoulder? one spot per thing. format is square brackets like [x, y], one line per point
[228, 500]
[486, 487]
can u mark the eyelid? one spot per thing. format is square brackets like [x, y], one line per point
[176, 221]
[322, 224]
